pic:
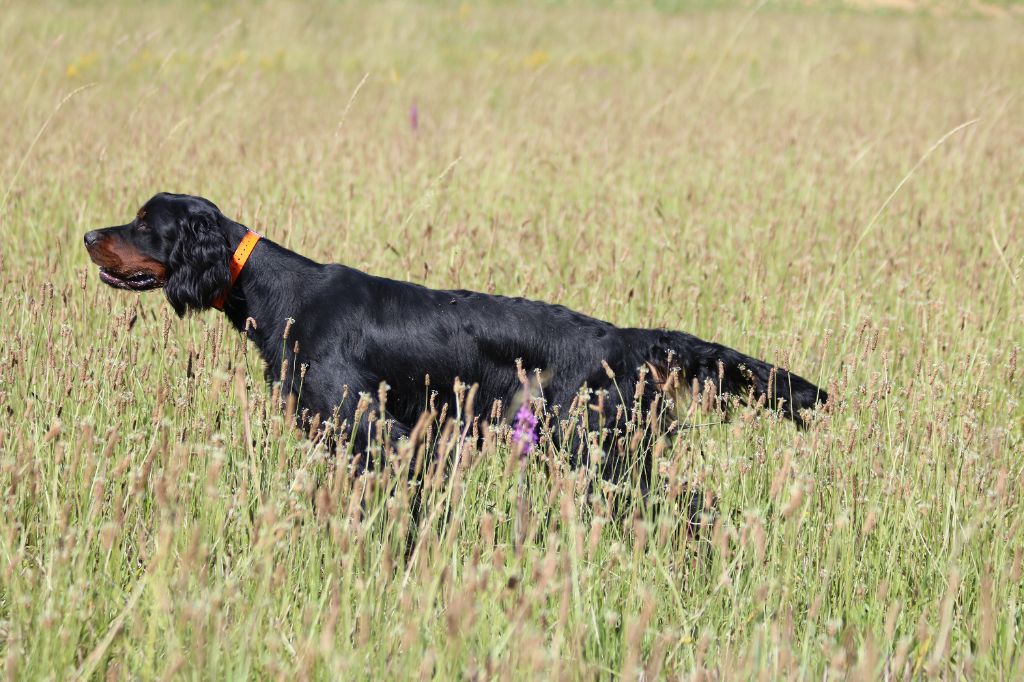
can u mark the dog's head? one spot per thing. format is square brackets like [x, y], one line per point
[176, 242]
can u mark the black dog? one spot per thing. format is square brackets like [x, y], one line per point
[356, 330]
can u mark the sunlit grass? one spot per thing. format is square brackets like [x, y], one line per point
[716, 171]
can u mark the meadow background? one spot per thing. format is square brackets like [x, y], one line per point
[837, 187]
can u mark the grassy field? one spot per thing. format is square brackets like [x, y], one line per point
[839, 191]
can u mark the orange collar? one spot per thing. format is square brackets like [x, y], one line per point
[237, 262]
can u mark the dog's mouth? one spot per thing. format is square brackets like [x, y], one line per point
[140, 281]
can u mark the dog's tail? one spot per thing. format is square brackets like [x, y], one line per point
[732, 373]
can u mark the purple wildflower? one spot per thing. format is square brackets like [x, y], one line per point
[414, 116]
[525, 429]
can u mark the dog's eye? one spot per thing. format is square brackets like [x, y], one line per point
[142, 226]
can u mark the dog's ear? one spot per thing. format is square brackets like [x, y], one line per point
[198, 271]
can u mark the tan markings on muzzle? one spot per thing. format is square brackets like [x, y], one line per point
[120, 258]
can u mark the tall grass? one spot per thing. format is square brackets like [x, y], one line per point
[724, 172]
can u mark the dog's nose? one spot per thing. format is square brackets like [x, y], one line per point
[92, 237]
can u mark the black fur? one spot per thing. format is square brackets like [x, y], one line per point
[356, 330]
[198, 263]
